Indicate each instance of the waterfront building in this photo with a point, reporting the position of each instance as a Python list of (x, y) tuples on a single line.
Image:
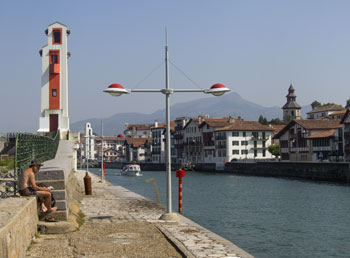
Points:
[(291, 110), (180, 123), (158, 132), (207, 128), (193, 145), (242, 141), (89, 141), (311, 140), (327, 111), (138, 130), (113, 147), (338, 114), (54, 81), (346, 135), (111, 155), (138, 149)]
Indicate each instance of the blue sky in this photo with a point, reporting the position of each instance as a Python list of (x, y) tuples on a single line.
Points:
[(256, 48)]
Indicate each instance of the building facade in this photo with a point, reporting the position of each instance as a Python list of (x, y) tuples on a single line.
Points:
[(243, 141), (311, 140), (346, 135), (326, 111), (138, 130)]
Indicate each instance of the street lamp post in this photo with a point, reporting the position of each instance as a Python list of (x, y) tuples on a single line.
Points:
[(216, 90)]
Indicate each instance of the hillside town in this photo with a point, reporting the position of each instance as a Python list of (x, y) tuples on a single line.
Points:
[(324, 136)]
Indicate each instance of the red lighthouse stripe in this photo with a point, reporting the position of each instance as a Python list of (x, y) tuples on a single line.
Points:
[(54, 81)]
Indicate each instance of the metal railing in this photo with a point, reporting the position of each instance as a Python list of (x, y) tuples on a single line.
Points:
[(33, 147)]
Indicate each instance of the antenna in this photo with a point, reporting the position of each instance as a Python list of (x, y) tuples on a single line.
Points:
[(166, 37)]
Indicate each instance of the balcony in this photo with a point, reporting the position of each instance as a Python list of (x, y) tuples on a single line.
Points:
[(260, 138), (54, 68), (178, 136), (258, 148), (347, 135), (347, 149)]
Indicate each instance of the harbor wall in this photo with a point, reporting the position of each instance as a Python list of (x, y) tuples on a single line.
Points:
[(331, 172), (18, 225), (143, 166)]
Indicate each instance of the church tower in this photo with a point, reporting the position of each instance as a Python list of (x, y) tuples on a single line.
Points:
[(54, 81), (291, 110)]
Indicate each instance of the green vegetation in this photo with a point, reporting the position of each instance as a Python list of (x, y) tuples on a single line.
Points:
[(347, 105), (6, 166), (274, 149), (80, 219), (274, 121), (316, 104)]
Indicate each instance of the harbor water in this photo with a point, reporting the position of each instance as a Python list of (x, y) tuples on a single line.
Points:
[(267, 217)]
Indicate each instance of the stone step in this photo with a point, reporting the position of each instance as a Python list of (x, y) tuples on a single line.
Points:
[(50, 174), (60, 227), (57, 215), (59, 194), (57, 184), (61, 205)]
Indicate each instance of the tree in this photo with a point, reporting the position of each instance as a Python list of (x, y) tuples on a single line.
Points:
[(315, 104), (276, 121), (347, 104), (262, 120), (274, 149)]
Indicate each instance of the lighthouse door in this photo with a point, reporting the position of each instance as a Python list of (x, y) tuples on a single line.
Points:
[(53, 122)]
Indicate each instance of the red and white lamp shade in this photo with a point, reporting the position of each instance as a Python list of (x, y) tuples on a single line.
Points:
[(116, 90), (217, 89)]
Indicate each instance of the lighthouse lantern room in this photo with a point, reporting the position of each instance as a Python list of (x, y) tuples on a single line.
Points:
[(54, 81)]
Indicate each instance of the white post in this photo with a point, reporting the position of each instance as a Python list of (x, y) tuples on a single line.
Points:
[(87, 152), (102, 174), (168, 145)]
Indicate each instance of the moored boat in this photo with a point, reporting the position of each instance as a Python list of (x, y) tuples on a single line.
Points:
[(131, 170)]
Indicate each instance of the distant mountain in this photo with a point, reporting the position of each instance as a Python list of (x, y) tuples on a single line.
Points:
[(228, 105)]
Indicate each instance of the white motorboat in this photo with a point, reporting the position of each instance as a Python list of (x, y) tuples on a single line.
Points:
[(131, 170)]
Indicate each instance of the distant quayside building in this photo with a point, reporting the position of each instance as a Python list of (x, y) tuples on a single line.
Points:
[(54, 81)]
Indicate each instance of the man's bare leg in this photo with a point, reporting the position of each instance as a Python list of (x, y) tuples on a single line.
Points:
[(47, 200), (43, 207)]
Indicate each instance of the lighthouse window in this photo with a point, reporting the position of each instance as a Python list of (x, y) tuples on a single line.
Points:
[(54, 59), (54, 93), (57, 39)]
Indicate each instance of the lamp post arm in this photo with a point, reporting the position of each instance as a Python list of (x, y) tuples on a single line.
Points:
[(145, 90), (164, 91)]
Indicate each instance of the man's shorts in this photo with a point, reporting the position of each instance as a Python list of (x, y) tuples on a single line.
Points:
[(27, 191)]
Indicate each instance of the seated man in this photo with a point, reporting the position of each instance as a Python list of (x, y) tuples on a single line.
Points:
[(27, 187)]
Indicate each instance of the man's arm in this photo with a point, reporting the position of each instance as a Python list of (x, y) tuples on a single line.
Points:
[(34, 186)]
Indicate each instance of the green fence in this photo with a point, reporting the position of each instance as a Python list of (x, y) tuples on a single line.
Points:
[(34, 147)]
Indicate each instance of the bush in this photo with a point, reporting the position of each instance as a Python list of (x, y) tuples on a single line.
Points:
[(7, 163)]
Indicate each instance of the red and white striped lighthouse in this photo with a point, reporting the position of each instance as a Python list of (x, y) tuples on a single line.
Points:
[(54, 81)]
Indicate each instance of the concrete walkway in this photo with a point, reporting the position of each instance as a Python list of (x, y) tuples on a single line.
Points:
[(121, 223)]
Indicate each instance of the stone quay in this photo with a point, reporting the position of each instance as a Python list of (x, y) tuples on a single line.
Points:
[(112, 222)]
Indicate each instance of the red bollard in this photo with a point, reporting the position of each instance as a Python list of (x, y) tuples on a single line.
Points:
[(180, 173), (104, 170)]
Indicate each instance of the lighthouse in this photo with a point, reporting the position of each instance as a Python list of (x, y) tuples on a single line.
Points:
[(54, 81)]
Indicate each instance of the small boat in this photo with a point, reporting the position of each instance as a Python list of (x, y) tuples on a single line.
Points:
[(131, 170)]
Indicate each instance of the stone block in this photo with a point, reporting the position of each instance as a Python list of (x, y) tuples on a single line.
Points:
[(57, 215), (61, 205), (50, 174), (59, 194), (57, 184)]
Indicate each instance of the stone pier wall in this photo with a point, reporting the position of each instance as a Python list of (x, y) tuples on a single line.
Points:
[(18, 225), (332, 172)]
